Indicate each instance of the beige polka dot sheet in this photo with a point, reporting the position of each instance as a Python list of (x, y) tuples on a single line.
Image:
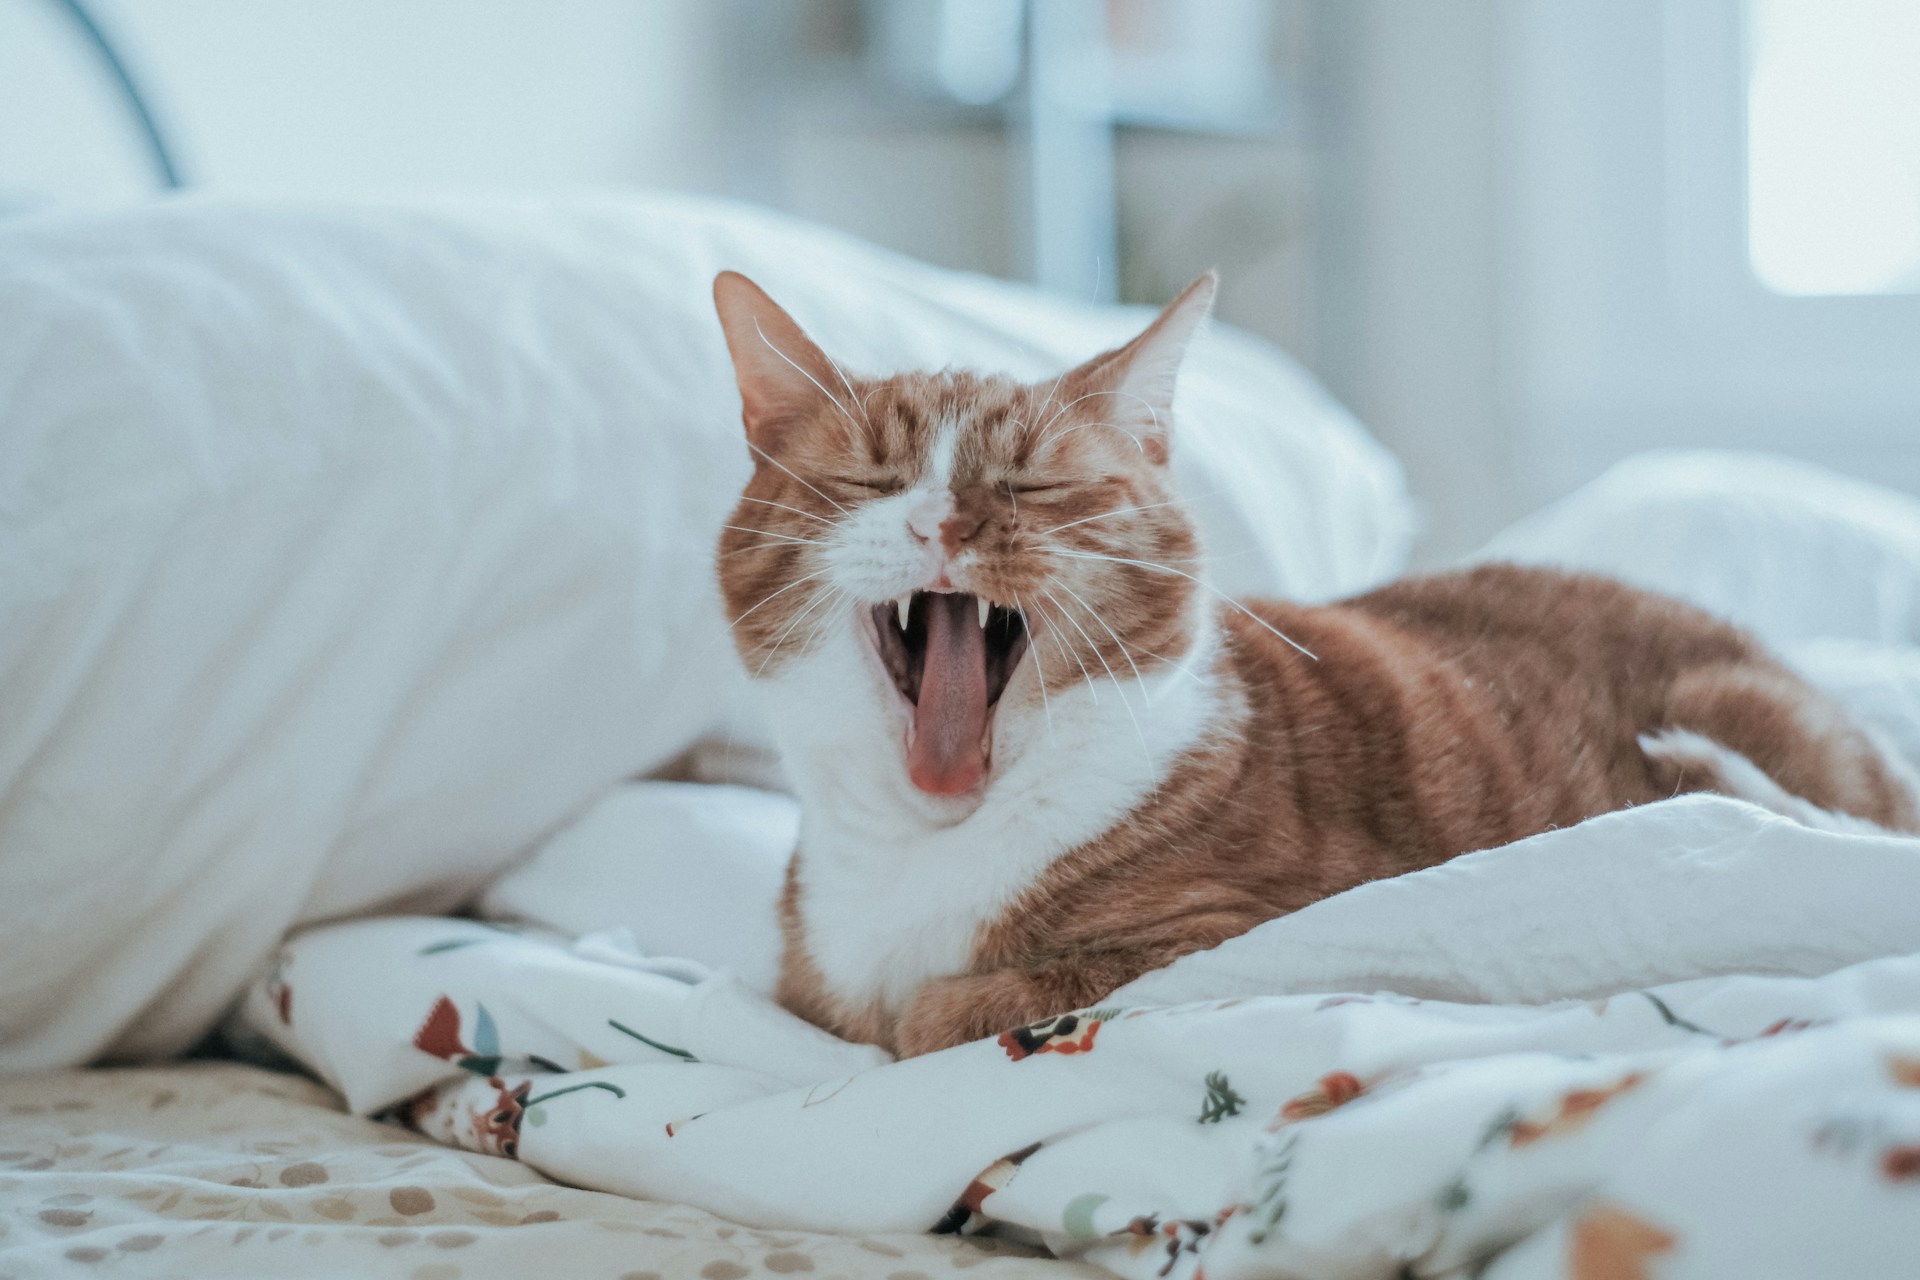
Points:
[(216, 1170)]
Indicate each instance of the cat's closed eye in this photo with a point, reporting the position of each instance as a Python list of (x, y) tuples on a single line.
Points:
[(1026, 487), (872, 484)]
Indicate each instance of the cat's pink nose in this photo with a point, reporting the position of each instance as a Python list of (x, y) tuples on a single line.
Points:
[(929, 514)]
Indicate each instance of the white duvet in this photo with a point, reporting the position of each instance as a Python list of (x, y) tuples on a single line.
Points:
[(1281, 1106)]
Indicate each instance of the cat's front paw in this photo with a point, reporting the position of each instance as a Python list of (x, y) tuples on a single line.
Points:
[(951, 1011)]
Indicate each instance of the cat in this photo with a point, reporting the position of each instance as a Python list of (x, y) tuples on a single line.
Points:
[(1037, 755)]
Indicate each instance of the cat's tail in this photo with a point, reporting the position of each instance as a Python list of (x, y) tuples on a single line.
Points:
[(1705, 765), (1764, 735)]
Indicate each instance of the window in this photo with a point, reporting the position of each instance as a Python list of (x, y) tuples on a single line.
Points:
[(1833, 145)]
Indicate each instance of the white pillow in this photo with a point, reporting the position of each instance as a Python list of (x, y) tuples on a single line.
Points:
[(1790, 550), (347, 549)]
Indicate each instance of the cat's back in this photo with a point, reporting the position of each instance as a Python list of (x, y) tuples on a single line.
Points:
[(1494, 608), (1576, 651), (1477, 705)]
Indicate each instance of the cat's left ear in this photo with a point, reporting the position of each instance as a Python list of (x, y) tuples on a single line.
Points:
[(1137, 380)]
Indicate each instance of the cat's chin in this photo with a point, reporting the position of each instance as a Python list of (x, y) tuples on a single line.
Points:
[(946, 811)]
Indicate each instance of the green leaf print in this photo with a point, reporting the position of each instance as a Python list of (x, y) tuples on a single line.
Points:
[(1673, 1019), (450, 944), (1269, 1205), (625, 1030), (1221, 1100), (613, 1089)]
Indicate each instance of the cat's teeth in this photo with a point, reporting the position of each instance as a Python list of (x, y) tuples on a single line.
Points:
[(985, 609), (905, 605)]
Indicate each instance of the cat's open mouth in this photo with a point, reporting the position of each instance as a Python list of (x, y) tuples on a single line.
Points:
[(950, 654)]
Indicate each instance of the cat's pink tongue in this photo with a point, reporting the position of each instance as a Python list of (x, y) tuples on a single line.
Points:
[(947, 756)]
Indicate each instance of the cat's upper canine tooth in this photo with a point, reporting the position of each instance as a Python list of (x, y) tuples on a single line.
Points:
[(905, 605), (985, 609)]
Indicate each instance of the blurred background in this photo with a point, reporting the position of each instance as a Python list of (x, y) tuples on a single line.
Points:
[(1520, 238)]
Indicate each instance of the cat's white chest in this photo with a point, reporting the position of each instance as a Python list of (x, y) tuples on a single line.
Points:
[(888, 898), (884, 921), (885, 912)]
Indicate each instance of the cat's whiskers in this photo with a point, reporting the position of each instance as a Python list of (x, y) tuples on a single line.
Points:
[(1092, 549), (832, 399), (845, 381), (1122, 644), (1199, 582), (783, 537), (784, 507), (1051, 392), (784, 467), (831, 593), (765, 601), (1064, 432), (1059, 413), (1175, 663), (1145, 751), (1067, 656), (1061, 609), (1066, 653), (866, 414), (1040, 672), (1107, 515), (1151, 410), (754, 546), (708, 647), (732, 728)]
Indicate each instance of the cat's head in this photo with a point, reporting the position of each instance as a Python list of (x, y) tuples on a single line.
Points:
[(950, 562)]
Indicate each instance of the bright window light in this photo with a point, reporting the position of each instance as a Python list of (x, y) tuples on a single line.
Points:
[(1833, 145)]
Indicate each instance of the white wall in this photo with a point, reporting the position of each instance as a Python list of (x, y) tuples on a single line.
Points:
[(347, 95), (1632, 318), (342, 96), (60, 134), (1411, 241), (1535, 262), (1496, 250)]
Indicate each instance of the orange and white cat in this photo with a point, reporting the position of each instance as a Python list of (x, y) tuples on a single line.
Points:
[(1037, 756)]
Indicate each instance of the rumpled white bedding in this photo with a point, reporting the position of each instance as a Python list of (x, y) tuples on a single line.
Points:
[(1172, 1128), (1677, 1041)]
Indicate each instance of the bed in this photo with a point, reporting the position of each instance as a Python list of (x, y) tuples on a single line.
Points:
[(356, 571), (212, 1168)]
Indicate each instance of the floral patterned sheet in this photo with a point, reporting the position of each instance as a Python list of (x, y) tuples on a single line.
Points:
[(216, 1169), (1719, 1126)]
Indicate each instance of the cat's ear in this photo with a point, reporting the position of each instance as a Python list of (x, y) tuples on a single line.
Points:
[(1136, 382), (783, 376)]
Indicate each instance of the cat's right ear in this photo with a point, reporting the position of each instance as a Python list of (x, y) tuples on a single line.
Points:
[(1138, 379), (783, 376)]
